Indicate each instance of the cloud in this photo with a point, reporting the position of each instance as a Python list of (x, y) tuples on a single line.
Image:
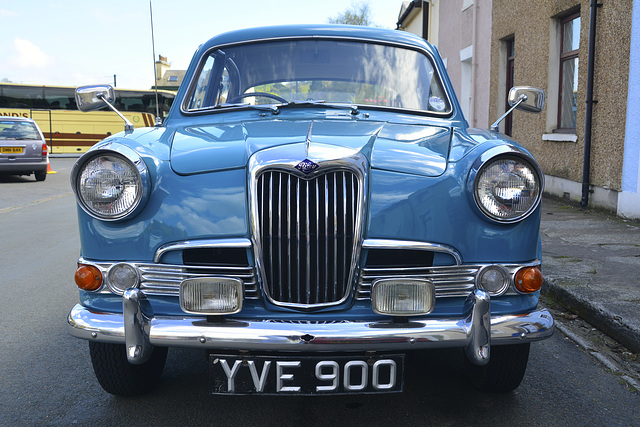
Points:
[(28, 55), (7, 14)]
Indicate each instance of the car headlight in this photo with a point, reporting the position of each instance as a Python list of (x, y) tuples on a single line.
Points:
[(110, 185), (507, 188)]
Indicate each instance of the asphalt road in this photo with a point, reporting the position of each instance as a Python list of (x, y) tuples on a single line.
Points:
[(46, 376)]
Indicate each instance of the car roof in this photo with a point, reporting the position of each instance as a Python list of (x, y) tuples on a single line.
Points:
[(318, 30)]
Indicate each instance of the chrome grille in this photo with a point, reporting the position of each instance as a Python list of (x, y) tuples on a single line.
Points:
[(306, 232), (449, 281), (165, 279)]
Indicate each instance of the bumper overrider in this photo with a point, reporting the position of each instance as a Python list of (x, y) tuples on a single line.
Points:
[(140, 330)]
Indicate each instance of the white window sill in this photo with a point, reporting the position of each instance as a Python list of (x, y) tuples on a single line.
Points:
[(560, 137)]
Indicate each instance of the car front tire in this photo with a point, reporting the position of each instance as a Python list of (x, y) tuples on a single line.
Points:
[(117, 376), (505, 369)]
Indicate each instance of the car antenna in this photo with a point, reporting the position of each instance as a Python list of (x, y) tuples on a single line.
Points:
[(155, 79)]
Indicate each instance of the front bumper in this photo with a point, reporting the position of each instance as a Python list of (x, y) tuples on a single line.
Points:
[(139, 330)]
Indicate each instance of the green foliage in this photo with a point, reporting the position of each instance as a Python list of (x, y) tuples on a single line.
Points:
[(357, 14)]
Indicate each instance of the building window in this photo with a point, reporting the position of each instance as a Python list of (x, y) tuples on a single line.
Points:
[(568, 89), (510, 78)]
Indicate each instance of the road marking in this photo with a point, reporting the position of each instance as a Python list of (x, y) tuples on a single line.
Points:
[(36, 202)]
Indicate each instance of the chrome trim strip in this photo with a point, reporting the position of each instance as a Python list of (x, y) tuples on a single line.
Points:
[(264, 335), (165, 279), (407, 244), (201, 244), (449, 281)]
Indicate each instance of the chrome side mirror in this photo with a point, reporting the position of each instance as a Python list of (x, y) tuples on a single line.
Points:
[(523, 98), (533, 98), (89, 98)]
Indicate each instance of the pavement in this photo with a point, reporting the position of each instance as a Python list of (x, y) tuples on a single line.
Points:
[(591, 266)]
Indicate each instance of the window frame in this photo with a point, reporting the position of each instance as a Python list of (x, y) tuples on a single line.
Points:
[(565, 57), (510, 44)]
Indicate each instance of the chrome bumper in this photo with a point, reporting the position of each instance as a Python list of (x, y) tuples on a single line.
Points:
[(139, 330)]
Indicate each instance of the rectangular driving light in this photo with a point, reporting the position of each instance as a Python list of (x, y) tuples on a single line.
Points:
[(211, 295), (403, 297)]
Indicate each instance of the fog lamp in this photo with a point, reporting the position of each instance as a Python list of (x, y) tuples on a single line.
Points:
[(211, 295), (402, 297), (88, 277), (493, 279), (529, 279), (122, 276)]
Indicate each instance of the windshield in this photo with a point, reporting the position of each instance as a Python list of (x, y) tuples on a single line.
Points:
[(331, 71), (13, 129)]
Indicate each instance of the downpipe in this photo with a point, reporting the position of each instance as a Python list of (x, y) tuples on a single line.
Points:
[(584, 202)]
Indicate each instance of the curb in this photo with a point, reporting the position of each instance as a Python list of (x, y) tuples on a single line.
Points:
[(596, 315)]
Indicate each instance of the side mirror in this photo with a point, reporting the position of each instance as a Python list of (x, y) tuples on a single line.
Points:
[(523, 98), (533, 101), (93, 97), (88, 100)]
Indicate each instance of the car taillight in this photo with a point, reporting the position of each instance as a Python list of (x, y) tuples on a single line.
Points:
[(45, 150)]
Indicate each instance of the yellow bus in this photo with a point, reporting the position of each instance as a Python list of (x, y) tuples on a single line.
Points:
[(66, 129)]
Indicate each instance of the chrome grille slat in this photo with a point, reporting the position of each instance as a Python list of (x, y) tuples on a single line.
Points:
[(165, 279), (320, 229), (449, 281)]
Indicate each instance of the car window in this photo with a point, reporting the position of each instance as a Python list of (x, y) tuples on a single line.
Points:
[(319, 70), (11, 129)]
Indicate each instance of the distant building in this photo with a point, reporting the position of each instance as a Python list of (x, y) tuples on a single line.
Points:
[(546, 44), (458, 28), (490, 46), (166, 78)]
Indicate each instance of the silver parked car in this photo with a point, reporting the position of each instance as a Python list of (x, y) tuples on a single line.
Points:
[(23, 150)]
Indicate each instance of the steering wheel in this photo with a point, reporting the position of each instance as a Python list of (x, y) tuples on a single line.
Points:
[(258, 94)]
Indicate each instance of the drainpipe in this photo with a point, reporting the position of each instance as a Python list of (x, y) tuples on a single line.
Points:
[(588, 113), (474, 66)]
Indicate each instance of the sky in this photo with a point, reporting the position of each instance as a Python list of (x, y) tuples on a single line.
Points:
[(78, 42)]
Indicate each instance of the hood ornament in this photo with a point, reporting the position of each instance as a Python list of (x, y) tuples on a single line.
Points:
[(307, 166)]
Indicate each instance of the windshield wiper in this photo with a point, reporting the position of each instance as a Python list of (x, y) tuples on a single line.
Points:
[(275, 108), (263, 107), (353, 109)]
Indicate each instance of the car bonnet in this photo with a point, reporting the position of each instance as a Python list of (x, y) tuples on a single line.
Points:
[(415, 149)]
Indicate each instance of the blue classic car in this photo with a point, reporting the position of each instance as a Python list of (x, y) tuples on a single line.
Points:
[(314, 207)]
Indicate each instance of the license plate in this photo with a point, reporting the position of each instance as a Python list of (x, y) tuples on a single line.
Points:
[(11, 150), (306, 375)]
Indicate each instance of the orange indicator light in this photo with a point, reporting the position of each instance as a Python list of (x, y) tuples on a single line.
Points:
[(88, 277), (529, 279)]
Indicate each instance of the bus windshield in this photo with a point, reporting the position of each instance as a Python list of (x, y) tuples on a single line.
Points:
[(332, 71)]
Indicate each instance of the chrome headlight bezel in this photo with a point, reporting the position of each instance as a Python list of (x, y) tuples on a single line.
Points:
[(517, 160), (129, 160)]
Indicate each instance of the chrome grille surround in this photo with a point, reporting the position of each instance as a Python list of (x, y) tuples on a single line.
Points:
[(310, 289)]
